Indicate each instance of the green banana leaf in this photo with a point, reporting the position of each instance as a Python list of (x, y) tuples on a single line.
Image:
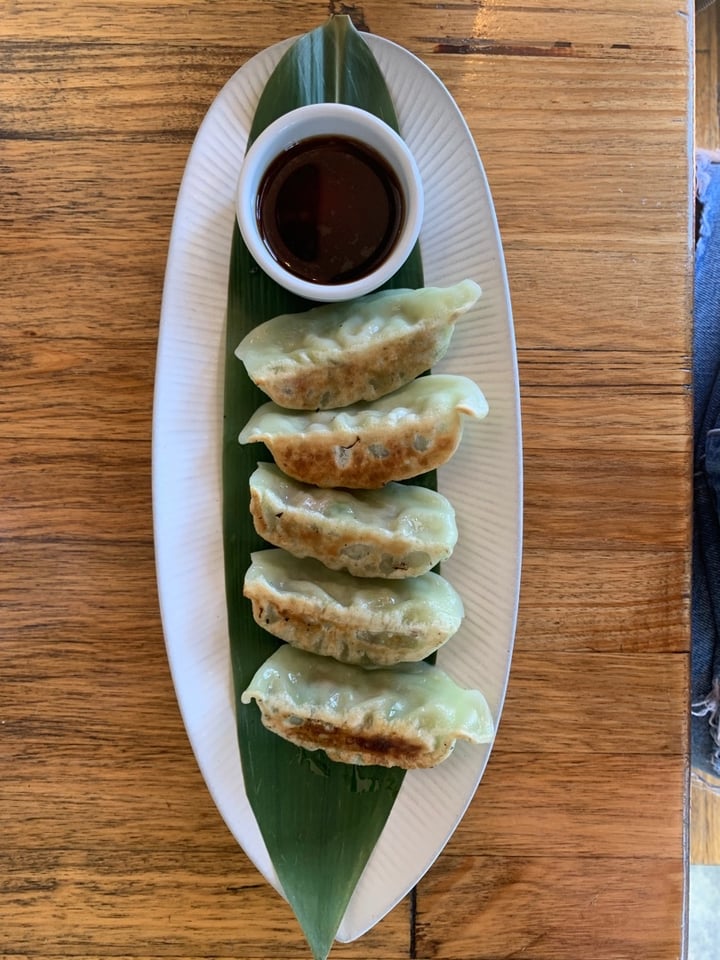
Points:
[(320, 820)]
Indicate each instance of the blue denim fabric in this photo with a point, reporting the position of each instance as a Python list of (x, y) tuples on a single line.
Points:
[(706, 519)]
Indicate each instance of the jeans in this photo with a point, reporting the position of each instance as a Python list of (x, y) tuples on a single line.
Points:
[(705, 619)]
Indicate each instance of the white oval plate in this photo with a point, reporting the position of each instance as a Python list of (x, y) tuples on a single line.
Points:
[(459, 239)]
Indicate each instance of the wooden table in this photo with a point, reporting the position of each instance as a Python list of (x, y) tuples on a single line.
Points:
[(574, 846)]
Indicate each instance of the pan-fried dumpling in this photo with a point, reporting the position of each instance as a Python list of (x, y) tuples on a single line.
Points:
[(407, 716), (338, 354), (367, 621), (396, 532), (366, 445)]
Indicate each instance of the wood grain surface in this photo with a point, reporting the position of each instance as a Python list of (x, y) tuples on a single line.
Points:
[(705, 819), (574, 846), (707, 118)]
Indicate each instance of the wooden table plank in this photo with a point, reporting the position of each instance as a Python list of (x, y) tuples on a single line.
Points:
[(705, 820), (608, 25), (578, 804), (707, 121), (541, 907), (607, 499), (137, 898), (619, 601), (592, 699)]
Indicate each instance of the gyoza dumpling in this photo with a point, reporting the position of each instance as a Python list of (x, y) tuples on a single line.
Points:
[(396, 532), (338, 354), (365, 446), (405, 716), (368, 621)]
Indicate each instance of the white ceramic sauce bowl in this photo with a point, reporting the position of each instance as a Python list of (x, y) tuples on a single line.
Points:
[(318, 120)]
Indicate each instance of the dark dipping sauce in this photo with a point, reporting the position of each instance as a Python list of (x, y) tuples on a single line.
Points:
[(330, 209)]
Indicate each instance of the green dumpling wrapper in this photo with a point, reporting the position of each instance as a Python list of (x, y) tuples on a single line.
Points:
[(354, 619), (338, 354), (396, 532), (410, 715), (413, 430)]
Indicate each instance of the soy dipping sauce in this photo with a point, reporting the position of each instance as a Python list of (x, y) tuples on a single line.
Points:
[(330, 209)]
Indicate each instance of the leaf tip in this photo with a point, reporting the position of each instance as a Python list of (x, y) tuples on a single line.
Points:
[(352, 17)]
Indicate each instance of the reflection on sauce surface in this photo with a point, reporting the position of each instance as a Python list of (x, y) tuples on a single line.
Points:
[(330, 209)]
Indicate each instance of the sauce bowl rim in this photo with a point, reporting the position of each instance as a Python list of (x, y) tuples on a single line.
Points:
[(329, 119)]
